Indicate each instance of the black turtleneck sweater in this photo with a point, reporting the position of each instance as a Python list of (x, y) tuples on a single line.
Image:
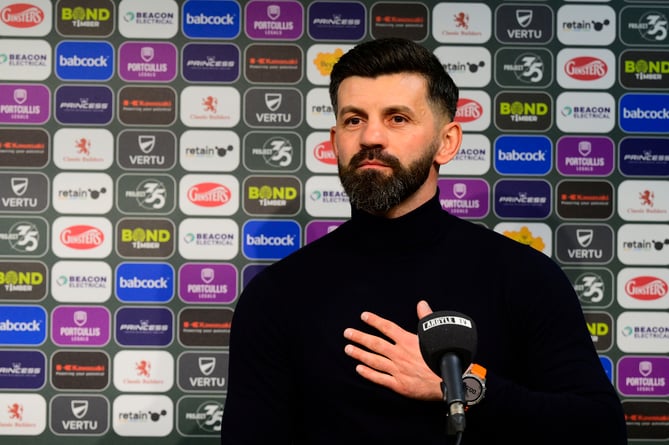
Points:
[(290, 381)]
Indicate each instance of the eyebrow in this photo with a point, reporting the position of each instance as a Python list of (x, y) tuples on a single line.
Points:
[(388, 110)]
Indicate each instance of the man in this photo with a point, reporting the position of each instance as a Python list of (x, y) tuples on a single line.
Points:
[(323, 347)]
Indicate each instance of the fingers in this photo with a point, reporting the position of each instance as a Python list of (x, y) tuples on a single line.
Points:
[(423, 309)]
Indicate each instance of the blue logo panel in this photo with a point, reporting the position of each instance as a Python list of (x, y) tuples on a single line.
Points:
[(22, 325), (523, 155), (270, 239), (20, 369), (522, 198), (644, 113), (145, 282), (144, 326), (82, 60), (217, 19)]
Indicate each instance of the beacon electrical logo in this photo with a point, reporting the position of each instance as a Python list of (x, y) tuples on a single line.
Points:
[(208, 239), (81, 281), (24, 59), (152, 19), (473, 157), (324, 196), (585, 112), (643, 332)]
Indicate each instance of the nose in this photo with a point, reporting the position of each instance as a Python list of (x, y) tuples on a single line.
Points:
[(374, 133)]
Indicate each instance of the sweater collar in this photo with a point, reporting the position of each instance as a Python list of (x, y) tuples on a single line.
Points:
[(416, 228)]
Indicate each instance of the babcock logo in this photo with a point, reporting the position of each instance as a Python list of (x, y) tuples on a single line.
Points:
[(145, 282), (523, 155), (22, 325), (81, 60), (211, 20), (270, 240), (644, 113)]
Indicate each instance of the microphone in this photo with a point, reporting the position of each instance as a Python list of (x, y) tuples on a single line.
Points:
[(447, 342)]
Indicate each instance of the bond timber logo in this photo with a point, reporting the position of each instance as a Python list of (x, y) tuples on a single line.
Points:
[(207, 283), (22, 369), (209, 62), (524, 67), (81, 237), (84, 104), (21, 18), (83, 148), (272, 195), (199, 416), (91, 18), (593, 286), (146, 149), (644, 287), (23, 147), (23, 236), (584, 199), (466, 198), (273, 108), (273, 63), (143, 371), (205, 371), (524, 24), (142, 415), (584, 244), (267, 20), (144, 326), (137, 193), (205, 327), (27, 192), (600, 325), (331, 21), (22, 280), (523, 111), (408, 20), (79, 415), (145, 238), (272, 151), (147, 105), (644, 25), (24, 104), (646, 69), (147, 61), (22, 415), (79, 370)]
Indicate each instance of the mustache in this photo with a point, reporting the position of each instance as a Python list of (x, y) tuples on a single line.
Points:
[(374, 154)]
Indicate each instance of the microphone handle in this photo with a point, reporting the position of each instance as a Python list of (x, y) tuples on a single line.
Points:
[(454, 390)]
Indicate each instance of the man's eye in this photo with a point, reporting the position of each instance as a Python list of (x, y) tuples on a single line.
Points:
[(353, 121), (398, 119)]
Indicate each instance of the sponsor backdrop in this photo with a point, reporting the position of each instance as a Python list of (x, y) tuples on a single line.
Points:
[(156, 154)]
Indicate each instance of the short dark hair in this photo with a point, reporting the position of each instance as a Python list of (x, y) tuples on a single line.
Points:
[(392, 56)]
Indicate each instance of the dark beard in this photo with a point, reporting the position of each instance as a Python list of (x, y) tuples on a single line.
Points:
[(375, 192)]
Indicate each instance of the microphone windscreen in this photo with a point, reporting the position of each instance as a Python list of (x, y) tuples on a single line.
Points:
[(446, 331)]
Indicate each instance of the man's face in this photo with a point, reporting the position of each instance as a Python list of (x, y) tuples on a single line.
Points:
[(386, 137)]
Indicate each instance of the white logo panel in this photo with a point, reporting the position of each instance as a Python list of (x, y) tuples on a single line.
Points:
[(643, 331), (473, 157), (143, 371), (325, 197), (81, 281), (143, 415), (83, 193), (208, 239), (209, 150)]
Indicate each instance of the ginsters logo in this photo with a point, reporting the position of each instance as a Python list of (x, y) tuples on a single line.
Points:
[(643, 287), (523, 111), (79, 370), (81, 237), (22, 280), (145, 238), (205, 327), (272, 195), (147, 105), (24, 147), (26, 18)]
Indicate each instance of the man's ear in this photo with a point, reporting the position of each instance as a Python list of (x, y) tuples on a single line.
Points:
[(332, 141), (450, 139)]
